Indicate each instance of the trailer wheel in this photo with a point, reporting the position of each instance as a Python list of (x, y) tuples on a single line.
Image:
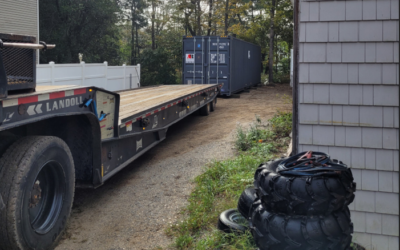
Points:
[(213, 104), (205, 110), (37, 188)]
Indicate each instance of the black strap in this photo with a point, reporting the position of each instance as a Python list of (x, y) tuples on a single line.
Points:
[(44, 45)]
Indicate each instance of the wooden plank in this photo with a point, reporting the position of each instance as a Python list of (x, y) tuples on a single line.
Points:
[(145, 99)]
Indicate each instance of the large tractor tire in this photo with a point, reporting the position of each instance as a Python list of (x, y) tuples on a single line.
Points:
[(37, 181)]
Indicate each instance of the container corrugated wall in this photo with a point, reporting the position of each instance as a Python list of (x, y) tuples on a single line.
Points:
[(227, 60)]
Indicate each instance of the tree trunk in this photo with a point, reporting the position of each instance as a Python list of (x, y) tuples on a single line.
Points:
[(137, 41), (133, 50), (271, 44), (153, 17), (209, 18), (198, 18), (226, 17)]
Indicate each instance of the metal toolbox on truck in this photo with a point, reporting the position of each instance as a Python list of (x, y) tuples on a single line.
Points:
[(17, 65), (215, 60)]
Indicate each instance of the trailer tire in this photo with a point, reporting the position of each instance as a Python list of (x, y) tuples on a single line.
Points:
[(231, 221), (276, 231), (205, 110), (248, 196), (269, 166), (213, 104), (37, 188)]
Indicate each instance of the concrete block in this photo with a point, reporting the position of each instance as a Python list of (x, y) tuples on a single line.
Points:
[(341, 153), (386, 95), (352, 73), (320, 73), (368, 95), (303, 73), (388, 117), (337, 115), (390, 225), (396, 117), (304, 11), (370, 158), (356, 97), (369, 10), (353, 52), (365, 201), (358, 219), (314, 52), (357, 158), (384, 52), (385, 181), (333, 31), (373, 222), (351, 116), (339, 73), (308, 93), (317, 32), (372, 137), (389, 73), (371, 116), (332, 11), (370, 73), (390, 31), (302, 31), (389, 138), (370, 52), (396, 160), (363, 239), (383, 10), (353, 10), (333, 52), (387, 203), (348, 31), (380, 242), (340, 136), (395, 176), (314, 11), (384, 159), (325, 114), (370, 31), (353, 137), (396, 53), (357, 174), (339, 94), (323, 135), (305, 134), (394, 9), (321, 93), (394, 243), (308, 114), (370, 180)]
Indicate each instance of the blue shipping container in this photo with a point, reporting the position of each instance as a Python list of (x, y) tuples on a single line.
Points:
[(227, 60)]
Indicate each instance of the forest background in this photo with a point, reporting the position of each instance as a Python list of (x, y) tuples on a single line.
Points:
[(150, 32)]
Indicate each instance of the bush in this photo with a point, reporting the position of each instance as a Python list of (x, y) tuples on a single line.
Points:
[(156, 68)]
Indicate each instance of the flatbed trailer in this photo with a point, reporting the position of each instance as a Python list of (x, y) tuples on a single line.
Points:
[(61, 137)]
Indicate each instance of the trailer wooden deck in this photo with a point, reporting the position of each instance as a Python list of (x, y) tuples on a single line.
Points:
[(138, 100)]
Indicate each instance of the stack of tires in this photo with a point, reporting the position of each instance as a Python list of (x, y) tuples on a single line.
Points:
[(300, 202)]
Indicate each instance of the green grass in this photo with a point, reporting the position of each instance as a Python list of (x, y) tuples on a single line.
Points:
[(220, 186)]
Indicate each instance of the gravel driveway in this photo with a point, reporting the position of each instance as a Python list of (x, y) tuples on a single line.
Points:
[(133, 208)]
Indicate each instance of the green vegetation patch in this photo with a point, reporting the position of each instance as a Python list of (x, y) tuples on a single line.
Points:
[(219, 188)]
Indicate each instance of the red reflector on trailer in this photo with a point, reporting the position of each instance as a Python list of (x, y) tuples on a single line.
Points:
[(28, 99)]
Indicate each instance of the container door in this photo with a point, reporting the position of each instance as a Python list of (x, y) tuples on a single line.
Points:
[(218, 61), (193, 62)]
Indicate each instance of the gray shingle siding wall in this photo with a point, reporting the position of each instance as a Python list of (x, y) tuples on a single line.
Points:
[(19, 17), (349, 104)]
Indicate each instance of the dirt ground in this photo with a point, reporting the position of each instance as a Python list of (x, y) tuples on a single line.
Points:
[(133, 208)]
